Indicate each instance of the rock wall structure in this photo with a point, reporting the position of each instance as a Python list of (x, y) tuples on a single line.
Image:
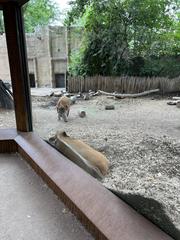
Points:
[(47, 51)]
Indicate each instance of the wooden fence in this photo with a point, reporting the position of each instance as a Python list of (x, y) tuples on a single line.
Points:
[(123, 84)]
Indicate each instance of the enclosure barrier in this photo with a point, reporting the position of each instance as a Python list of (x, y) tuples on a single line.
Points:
[(106, 216), (123, 84)]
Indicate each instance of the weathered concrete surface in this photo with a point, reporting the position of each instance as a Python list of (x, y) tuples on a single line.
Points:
[(29, 210), (47, 51)]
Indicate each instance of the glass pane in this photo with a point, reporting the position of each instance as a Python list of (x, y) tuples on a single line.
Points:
[(47, 62), (116, 47), (7, 114)]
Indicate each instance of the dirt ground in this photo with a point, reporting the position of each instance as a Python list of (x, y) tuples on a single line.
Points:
[(141, 138)]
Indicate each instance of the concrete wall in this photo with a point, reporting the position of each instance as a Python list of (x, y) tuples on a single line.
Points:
[(58, 51), (39, 57), (47, 52)]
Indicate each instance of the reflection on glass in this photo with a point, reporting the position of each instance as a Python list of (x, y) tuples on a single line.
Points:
[(7, 115)]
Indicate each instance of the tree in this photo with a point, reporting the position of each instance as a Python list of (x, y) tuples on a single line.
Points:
[(36, 13), (39, 13), (121, 34)]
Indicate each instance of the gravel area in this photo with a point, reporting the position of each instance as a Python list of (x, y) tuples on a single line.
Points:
[(141, 138)]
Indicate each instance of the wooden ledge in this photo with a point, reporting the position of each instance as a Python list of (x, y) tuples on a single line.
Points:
[(7, 140), (8, 134), (104, 215)]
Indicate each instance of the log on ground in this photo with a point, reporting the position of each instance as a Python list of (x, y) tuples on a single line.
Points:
[(134, 95)]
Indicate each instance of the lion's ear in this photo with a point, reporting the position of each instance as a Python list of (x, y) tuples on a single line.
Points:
[(63, 134), (52, 139)]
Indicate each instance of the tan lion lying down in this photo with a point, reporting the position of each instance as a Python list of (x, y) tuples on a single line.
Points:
[(92, 161)]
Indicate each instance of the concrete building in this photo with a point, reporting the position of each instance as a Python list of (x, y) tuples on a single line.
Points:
[(47, 51)]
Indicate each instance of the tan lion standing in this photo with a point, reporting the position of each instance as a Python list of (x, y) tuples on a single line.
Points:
[(63, 108)]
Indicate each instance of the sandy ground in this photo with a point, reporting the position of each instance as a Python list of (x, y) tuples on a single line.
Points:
[(141, 138), (29, 210)]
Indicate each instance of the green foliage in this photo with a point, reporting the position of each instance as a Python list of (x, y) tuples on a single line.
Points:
[(121, 36), (77, 10), (164, 66), (39, 13), (76, 67), (1, 23), (36, 13)]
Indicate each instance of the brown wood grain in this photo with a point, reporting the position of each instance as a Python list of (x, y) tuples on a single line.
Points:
[(18, 65), (19, 2)]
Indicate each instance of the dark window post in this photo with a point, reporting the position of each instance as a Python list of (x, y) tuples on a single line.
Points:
[(15, 38)]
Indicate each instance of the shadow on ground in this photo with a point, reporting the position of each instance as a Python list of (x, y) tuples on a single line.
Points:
[(152, 210)]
